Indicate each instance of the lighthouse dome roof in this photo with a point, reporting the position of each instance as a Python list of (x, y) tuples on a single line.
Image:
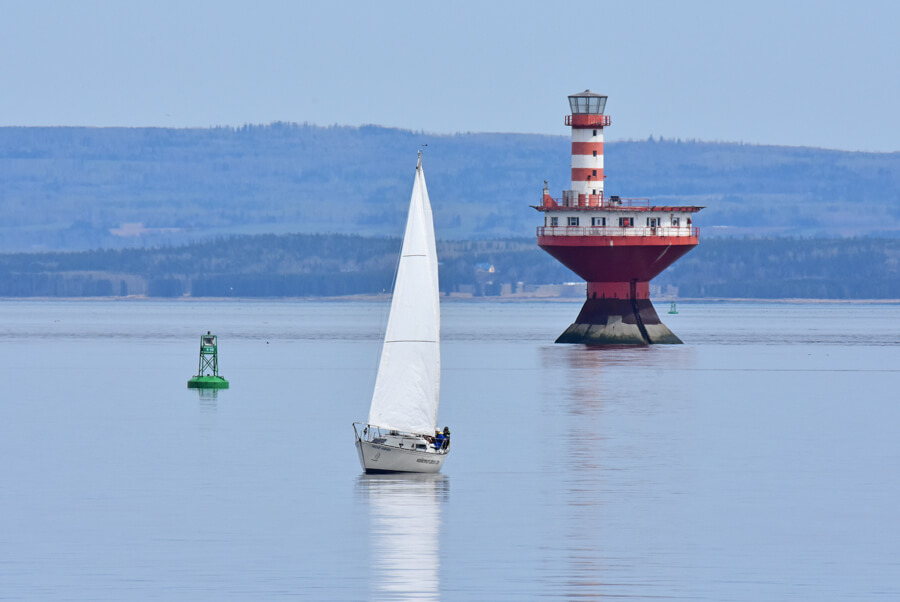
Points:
[(587, 93)]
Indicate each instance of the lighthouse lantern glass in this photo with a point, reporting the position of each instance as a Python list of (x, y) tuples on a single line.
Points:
[(587, 105)]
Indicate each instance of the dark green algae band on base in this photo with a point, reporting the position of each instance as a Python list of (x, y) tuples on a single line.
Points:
[(618, 322), (207, 382)]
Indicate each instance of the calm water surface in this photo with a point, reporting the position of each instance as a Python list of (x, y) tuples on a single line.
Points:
[(759, 461)]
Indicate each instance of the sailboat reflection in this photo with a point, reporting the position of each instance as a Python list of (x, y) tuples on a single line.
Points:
[(405, 512)]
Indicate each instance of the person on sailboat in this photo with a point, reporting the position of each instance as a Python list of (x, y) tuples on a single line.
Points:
[(446, 437), (438, 439)]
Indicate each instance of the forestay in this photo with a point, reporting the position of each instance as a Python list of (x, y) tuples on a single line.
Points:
[(407, 388)]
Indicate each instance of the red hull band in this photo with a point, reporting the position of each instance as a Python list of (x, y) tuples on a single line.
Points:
[(618, 290), (617, 259), (609, 207)]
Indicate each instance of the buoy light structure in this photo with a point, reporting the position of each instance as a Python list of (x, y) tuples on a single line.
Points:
[(617, 245), (208, 373)]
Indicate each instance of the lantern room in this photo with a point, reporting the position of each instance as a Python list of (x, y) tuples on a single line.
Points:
[(587, 103)]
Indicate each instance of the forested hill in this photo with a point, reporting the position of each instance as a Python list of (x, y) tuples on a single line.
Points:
[(83, 188)]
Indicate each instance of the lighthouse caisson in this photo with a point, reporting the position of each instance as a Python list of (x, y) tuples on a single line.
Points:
[(617, 245)]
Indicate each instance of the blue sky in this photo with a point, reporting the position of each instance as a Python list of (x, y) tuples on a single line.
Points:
[(800, 73)]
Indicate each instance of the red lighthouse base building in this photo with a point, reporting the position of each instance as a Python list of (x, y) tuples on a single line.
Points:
[(618, 270), (616, 245)]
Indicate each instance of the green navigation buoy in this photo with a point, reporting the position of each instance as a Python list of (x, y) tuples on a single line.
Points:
[(672, 309), (208, 374)]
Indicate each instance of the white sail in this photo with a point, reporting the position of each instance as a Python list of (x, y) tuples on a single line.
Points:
[(407, 388)]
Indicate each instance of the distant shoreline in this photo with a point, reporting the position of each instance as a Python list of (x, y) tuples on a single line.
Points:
[(455, 298)]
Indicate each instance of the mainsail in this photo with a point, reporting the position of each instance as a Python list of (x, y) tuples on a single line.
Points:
[(407, 388)]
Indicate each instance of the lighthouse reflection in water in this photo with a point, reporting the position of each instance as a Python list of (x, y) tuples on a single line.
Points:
[(404, 532)]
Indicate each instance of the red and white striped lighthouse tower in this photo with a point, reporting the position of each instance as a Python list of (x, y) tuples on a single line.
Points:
[(616, 244), (587, 121)]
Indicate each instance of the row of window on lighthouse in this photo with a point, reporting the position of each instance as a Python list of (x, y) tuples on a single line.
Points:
[(624, 222)]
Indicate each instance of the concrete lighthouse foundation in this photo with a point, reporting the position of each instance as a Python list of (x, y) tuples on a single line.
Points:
[(618, 322)]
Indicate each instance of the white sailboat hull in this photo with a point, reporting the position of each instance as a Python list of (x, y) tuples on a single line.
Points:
[(379, 457)]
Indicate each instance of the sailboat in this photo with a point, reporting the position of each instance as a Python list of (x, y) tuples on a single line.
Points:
[(401, 433)]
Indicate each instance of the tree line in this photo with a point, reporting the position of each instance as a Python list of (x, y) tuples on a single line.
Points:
[(301, 265)]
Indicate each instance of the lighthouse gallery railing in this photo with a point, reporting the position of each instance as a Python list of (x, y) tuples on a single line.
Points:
[(680, 231)]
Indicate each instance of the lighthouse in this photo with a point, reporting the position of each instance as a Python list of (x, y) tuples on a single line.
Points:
[(616, 244)]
